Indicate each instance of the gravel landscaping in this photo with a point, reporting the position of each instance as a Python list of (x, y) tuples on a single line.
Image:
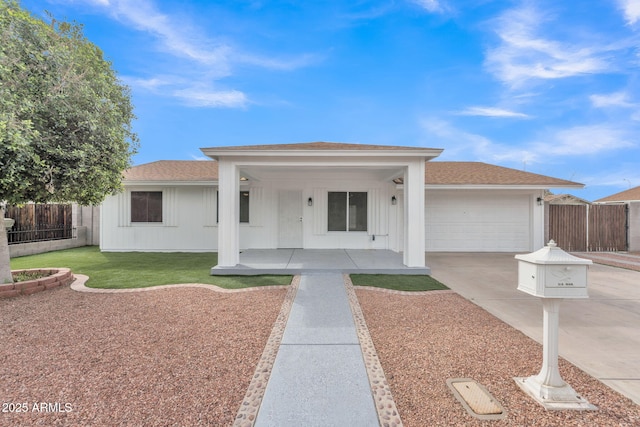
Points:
[(167, 357), (423, 340), (186, 357)]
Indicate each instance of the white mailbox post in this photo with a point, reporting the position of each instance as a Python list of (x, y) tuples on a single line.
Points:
[(552, 274)]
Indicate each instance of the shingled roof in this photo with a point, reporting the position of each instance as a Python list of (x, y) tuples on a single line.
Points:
[(632, 194), (477, 173), (174, 170), (436, 173)]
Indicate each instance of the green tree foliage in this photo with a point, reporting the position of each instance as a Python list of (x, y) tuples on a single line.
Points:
[(65, 118)]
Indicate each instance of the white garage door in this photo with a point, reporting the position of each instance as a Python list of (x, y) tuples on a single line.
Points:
[(477, 222)]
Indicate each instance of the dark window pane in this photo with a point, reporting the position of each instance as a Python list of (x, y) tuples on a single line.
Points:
[(146, 206), (337, 202), (244, 206), (138, 207), (155, 207), (358, 211)]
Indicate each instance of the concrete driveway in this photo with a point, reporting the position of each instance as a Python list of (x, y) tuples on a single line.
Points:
[(600, 335)]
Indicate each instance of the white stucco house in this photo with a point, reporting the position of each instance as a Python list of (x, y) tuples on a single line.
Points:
[(325, 195)]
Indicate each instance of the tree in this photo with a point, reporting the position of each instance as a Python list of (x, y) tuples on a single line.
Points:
[(65, 118)]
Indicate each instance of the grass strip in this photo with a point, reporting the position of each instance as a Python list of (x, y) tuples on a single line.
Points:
[(124, 270), (398, 282)]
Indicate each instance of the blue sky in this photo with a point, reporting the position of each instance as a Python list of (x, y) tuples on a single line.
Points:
[(545, 86)]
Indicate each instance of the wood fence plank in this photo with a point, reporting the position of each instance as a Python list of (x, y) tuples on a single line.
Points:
[(594, 228)]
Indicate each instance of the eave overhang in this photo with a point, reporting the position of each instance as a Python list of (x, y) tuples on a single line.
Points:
[(426, 153), (168, 183)]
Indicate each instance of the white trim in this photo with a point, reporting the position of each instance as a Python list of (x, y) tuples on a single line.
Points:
[(414, 225), (168, 182), (229, 215), (409, 152)]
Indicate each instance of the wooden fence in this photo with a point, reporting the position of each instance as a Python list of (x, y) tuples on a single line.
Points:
[(589, 227), (36, 223)]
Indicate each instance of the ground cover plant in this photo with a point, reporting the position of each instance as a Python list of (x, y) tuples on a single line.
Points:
[(121, 270), (23, 276), (398, 282)]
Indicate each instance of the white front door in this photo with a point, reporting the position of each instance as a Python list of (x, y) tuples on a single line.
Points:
[(290, 219)]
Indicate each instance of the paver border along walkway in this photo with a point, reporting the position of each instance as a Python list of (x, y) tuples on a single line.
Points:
[(319, 377), (381, 397), (80, 279), (380, 393)]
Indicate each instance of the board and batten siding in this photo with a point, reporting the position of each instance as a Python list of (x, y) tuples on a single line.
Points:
[(456, 220), (188, 223)]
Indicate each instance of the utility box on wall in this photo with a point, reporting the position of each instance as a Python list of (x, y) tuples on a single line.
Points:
[(552, 273)]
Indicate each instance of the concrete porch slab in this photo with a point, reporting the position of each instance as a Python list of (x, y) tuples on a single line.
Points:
[(298, 261)]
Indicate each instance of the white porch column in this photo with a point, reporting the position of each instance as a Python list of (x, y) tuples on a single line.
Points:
[(228, 214), (414, 245)]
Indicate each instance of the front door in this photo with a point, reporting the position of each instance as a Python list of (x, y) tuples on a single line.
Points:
[(290, 219)]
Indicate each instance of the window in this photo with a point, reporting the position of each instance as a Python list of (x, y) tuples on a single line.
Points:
[(347, 211), (244, 206), (146, 206)]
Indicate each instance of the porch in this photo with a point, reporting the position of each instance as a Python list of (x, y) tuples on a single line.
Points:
[(298, 261)]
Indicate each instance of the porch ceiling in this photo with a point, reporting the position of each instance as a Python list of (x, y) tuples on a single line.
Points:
[(265, 173)]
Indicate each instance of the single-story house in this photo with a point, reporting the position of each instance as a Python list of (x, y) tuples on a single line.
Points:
[(565, 199), (323, 195), (626, 196)]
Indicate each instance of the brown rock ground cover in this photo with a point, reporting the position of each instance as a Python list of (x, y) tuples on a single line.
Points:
[(424, 340), (167, 357)]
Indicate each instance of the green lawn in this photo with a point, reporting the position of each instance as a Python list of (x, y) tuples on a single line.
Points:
[(116, 270), (398, 282), (120, 270)]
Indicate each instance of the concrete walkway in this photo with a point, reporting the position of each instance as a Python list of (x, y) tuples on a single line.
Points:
[(600, 334), (319, 377)]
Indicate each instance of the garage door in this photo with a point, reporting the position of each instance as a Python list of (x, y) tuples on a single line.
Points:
[(477, 222)]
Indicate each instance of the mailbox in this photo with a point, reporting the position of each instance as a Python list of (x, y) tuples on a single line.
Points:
[(552, 273)]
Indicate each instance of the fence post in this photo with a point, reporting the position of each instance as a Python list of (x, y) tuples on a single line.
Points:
[(587, 242)]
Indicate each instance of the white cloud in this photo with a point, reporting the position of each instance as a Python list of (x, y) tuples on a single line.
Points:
[(585, 140), (524, 53), (208, 60), (623, 177), (631, 10), (616, 99), (492, 112), (279, 64), (193, 93), (152, 83), (182, 39), (178, 38), (565, 143), (433, 6), (203, 97), (462, 145)]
